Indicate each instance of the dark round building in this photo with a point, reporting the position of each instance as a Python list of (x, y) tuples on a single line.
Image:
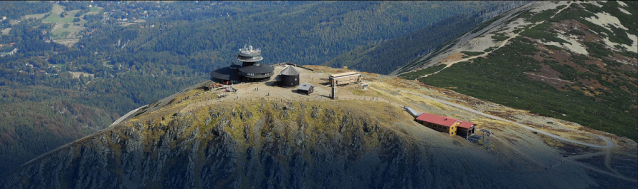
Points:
[(249, 70), (256, 72), (226, 75), (289, 77)]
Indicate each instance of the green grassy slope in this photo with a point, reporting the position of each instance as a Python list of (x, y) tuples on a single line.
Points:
[(501, 76)]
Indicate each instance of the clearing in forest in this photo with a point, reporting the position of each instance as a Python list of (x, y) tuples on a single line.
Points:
[(66, 31)]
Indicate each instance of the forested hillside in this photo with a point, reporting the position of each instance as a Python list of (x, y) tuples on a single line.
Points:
[(305, 33), (388, 55), (16, 9), (80, 65)]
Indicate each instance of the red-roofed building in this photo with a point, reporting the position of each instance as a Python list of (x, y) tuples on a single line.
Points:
[(445, 124), (466, 129), (439, 123)]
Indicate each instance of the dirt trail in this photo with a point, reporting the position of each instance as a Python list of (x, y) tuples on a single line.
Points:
[(617, 175), (584, 156), (126, 116), (550, 78), (608, 162)]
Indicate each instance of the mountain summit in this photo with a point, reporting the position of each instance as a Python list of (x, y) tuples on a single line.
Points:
[(271, 137)]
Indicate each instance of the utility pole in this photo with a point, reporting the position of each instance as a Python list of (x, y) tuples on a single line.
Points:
[(489, 137), (334, 89)]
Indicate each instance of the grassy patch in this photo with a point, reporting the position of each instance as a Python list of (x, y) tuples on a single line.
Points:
[(597, 50), (553, 47), (629, 54), (568, 72), (64, 34), (499, 37), (576, 32), (544, 15), (540, 16), (541, 32), (52, 18), (65, 27), (55, 18), (94, 9)]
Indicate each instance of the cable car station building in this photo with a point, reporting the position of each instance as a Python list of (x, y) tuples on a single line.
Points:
[(448, 125)]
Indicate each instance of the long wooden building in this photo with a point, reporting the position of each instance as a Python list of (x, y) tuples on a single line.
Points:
[(345, 78), (439, 123), (448, 125)]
